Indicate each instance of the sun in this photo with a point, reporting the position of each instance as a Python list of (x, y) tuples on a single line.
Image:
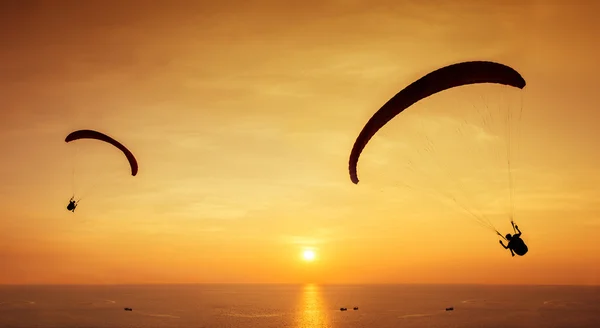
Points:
[(308, 255)]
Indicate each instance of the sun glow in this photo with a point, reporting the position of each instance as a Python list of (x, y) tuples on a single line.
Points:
[(308, 255)]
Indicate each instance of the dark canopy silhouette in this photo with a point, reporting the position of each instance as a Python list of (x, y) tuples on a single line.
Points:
[(90, 134), (442, 79)]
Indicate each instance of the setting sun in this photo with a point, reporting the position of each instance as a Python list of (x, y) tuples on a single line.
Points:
[(308, 255)]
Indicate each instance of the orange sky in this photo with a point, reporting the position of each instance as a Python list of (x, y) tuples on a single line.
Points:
[(242, 117)]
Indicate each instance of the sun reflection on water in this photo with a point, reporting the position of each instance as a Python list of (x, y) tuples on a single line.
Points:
[(312, 313)]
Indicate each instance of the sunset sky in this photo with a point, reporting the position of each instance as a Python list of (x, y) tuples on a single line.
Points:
[(242, 115)]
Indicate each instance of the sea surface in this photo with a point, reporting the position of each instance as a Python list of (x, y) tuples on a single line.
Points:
[(300, 306)]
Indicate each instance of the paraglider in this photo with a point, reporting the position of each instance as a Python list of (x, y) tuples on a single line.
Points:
[(95, 135), (452, 76), (516, 245), (72, 205)]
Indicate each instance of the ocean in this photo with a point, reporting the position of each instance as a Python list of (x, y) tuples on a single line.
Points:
[(300, 306)]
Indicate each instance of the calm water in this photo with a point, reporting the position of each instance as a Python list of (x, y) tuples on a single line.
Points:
[(299, 306)]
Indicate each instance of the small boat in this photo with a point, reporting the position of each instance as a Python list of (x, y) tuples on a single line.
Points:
[(343, 309), (356, 308), (128, 309), (450, 309)]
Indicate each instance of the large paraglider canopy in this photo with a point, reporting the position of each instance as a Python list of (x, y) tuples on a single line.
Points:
[(91, 134), (451, 76), (443, 135)]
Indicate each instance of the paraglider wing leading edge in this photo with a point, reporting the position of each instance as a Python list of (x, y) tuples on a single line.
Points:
[(90, 134), (439, 80)]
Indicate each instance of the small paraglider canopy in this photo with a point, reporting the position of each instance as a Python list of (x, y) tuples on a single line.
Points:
[(91, 134)]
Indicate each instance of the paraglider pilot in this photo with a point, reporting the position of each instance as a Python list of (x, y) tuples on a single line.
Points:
[(516, 245), (72, 205)]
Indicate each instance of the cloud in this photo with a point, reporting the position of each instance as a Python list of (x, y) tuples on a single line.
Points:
[(318, 237)]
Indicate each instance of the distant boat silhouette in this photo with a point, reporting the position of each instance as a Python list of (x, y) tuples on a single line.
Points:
[(128, 309), (356, 308), (450, 308), (343, 309)]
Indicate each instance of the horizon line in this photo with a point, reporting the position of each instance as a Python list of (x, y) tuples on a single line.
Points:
[(289, 284)]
